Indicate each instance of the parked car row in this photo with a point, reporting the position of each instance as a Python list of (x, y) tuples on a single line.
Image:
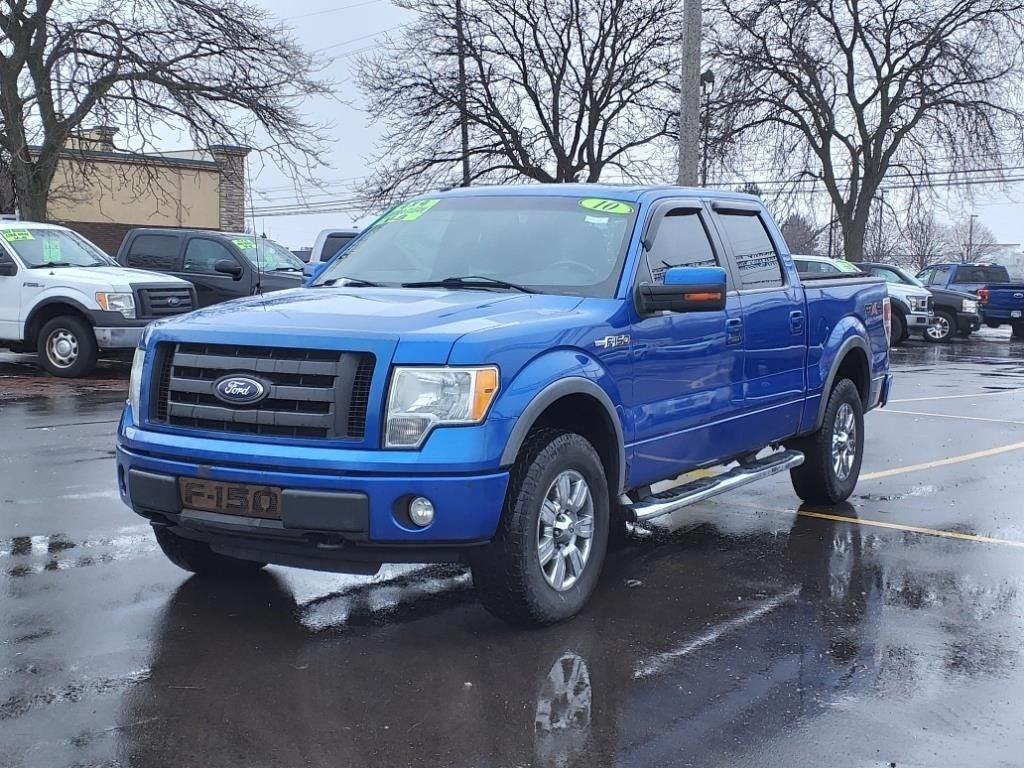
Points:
[(943, 300)]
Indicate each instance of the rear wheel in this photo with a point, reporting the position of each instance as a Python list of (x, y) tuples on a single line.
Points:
[(897, 329), (546, 557), (833, 454), (197, 557), (67, 347), (942, 328)]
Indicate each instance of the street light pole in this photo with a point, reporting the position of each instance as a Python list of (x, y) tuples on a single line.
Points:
[(970, 239), (707, 84), (689, 94)]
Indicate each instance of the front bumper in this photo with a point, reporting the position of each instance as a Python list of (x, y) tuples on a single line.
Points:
[(919, 320), (119, 338), (968, 321), (348, 511)]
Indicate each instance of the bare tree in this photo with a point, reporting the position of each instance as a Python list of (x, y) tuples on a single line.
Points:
[(848, 92), (801, 234), (972, 241), (555, 91), (216, 69), (923, 240)]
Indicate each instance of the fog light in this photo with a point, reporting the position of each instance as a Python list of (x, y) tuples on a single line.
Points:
[(421, 511)]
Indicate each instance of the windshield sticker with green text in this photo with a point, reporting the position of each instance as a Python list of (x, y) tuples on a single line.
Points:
[(51, 250), (14, 235), (245, 244), (606, 206), (409, 211)]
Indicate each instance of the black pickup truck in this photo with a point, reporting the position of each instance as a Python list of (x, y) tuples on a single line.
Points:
[(221, 265)]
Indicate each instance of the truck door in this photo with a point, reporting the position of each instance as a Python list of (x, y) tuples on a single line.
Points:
[(213, 287), (10, 297), (687, 366), (774, 324)]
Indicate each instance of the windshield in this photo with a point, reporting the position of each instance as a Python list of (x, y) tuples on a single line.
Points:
[(53, 247), (266, 255), (907, 277), (554, 244)]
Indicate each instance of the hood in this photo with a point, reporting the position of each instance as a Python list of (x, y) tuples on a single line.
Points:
[(382, 313), (100, 278), (903, 290)]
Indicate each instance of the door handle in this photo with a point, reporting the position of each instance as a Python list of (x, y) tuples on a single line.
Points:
[(796, 321), (734, 330)]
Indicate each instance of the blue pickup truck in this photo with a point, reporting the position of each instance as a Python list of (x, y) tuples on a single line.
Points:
[(1000, 301), (498, 376)]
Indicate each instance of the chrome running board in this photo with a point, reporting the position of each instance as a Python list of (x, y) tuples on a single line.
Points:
[(669, 501)]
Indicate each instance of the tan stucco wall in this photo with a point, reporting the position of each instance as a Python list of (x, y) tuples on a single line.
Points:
[(128, 193)]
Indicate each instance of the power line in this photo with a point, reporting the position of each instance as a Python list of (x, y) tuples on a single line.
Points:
[(327, 11)]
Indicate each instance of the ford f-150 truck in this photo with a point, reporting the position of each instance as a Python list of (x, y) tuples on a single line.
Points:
[(498, 376), (1001, 302)]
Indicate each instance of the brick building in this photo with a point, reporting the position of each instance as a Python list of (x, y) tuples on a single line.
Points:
[(102, 192)]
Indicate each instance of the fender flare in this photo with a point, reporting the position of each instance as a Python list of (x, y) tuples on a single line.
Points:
[(73, 303), (854, 342), (573, 385)]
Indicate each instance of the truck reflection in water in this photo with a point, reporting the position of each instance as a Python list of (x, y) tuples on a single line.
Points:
[(727, 644)]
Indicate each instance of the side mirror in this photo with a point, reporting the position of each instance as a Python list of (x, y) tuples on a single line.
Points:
[(228, 267), (686, 289), (8, 268)]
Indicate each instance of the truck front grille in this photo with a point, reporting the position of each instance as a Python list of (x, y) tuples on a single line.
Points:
[(310, 393), (164, 302)]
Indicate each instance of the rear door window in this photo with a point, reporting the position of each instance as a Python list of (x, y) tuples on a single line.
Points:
[(156, 252), (756, 258)]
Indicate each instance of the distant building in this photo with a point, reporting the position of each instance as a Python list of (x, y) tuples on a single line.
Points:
[(102, 192)]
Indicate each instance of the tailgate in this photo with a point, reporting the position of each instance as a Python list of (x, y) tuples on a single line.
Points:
[(1006, 297)]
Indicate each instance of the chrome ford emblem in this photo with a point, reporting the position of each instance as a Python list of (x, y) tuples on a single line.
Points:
[(173, 301), (239, 390)]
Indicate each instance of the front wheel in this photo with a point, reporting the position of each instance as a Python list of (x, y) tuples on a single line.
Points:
[(897, 329), (942, 328), (833, 454), (546, 556), (67, 347)]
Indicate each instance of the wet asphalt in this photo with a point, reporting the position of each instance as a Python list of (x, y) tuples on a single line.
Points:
[(746, 632)]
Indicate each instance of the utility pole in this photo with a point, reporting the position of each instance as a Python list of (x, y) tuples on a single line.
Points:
[(689, 94), (970, 239), (463, 109)]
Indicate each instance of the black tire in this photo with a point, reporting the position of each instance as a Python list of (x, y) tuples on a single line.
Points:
[(991, 325), (897, 329), (197, 557), (66, 346), (508, 574), (816, 480), (1018, 331), (943, 329)]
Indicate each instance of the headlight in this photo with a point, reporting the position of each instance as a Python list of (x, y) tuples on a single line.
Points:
[(970, 306), (117, 302), (423, 398), (919, 303), (135, 384)]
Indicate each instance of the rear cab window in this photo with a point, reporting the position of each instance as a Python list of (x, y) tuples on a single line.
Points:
[(756, 258), (156, 252), (982, 274)]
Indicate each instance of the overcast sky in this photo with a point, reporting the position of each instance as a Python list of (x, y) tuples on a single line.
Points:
[(334, 29)]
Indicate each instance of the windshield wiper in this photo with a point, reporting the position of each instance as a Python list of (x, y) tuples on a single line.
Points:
[(47, 265), (470, 281), (348, 281)]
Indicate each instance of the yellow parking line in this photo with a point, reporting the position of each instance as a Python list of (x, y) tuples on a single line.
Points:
[(957, 397), (951, 416), (912, 529), (942, 462)]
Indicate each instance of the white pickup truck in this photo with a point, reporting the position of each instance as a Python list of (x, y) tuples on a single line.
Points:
[(62, 297)]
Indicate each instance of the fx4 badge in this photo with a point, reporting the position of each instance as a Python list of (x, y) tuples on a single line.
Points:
[(610, 342)]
